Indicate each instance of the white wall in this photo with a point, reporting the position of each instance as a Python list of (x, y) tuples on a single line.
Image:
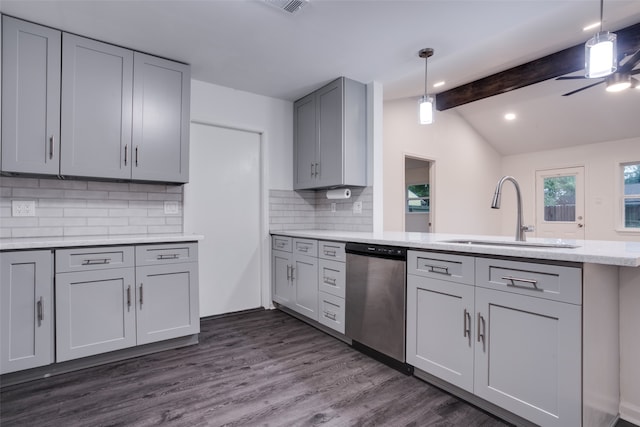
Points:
[(273, 120), (602, 195), (466, 169)]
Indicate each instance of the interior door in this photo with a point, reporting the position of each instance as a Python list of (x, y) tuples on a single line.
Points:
[(222, 202), (560, 203)]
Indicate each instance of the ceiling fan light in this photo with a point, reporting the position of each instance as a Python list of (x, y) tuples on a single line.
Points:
[(601, 57), (426, 107)]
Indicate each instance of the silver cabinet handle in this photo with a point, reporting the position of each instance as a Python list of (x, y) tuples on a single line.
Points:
[(466, 324), (330, 315), (128, 297), (438, 269), (141, 295), (293, 269), (136, 156), (288, 272), (280, 245), (329, 253), (317, 169), (512, 282), (481, 330), (126, 150), (96, 261), (312, 173), (40, 309), (330, 280), (52, 143), (303, 248), (168, 256)]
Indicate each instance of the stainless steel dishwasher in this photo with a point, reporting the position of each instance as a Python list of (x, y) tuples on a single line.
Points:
[(375, 303)]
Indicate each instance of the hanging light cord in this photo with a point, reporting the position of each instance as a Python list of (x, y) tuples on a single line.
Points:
[(426, 68), (601, 13)]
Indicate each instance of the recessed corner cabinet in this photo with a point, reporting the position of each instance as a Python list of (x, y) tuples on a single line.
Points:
[(330, 132), (110, 113)]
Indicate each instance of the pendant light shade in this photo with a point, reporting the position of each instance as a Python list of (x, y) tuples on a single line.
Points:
[(600, 52), (427, 102)]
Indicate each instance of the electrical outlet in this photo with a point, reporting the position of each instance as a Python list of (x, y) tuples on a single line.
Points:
[(171, 207), (23, 208), (333, 207), (357, 207)]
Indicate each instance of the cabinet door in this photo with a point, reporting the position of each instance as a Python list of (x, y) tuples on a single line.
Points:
[(95, 312), (330, 156), (305, 279), (30, 97), (96, 109), (26, 304), (528, 356), (283, 291), (167, 301), (161, 93), (439, 329), (305, 140)]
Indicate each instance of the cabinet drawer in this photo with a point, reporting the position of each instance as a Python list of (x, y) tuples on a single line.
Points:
[(552, 282), (305, 247), (454, 268), (85, 259), (332, 250), (281, 243), (332, 277), (166, 254), (331, 311)]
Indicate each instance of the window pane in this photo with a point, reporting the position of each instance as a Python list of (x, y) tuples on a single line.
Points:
[(418, 205), (632, 213), (418, 190), (560, 198), (632, 179)]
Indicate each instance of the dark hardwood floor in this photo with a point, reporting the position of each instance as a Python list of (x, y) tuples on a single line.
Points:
[(259, 368)]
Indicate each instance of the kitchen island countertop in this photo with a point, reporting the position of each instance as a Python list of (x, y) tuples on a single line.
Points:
[(618, 253)]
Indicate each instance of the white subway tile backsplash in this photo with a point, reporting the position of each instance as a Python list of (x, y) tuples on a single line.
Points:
[(77, 207)]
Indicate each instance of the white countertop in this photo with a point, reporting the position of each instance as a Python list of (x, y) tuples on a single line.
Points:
[(62, 242), (589, 251)]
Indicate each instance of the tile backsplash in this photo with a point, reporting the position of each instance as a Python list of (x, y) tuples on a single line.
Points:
[(308, 209), (77, 208)]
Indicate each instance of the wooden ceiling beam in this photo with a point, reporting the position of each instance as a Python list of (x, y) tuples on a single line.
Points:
[(551, 66)]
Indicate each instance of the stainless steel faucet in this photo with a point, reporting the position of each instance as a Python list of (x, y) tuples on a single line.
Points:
[(495, 204)]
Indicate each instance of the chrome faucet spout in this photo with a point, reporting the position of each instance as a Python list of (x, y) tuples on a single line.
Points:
[(495, 204)]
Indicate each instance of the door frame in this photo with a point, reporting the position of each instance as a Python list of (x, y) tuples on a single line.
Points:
[(537, 208), (432, 187), (265, 238)]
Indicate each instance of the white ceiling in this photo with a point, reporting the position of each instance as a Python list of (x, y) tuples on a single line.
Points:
[(250, 46)]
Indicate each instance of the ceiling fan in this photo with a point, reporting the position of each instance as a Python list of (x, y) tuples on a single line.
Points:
[(619, 80)]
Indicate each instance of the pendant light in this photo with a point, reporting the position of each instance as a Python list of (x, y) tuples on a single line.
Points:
[(427, 102), (600, 54)]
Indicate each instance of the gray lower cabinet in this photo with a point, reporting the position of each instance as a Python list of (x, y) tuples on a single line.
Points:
[(330, 136), (161, 93), (511, 333), (305, 283), (281, 282), (26, 310), (97, 83), (30, 97)]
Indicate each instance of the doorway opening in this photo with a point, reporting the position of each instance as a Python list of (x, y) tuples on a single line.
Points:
[(560, 203), (418, 190)]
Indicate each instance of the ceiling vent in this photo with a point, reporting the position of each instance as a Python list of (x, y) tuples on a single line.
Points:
[(291, 6)]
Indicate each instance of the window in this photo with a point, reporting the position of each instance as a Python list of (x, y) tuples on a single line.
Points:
[(560, 198), (631, 195), (418, 198)]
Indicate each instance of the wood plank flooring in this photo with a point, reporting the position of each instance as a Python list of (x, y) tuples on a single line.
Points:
[(258, 368)]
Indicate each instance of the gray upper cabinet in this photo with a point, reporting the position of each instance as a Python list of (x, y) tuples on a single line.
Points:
[(330, 136), (97, 83), (161, 93), (26, 310), (30, 98)]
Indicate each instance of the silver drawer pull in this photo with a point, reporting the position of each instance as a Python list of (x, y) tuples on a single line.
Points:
[(330, 315), (303, 248), (512, 282), (438, 269), (330, 280), (168, 256), (96, 261), (280, 244), (329, 253)]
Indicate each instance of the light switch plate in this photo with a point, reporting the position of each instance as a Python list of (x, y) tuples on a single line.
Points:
[(23, 208), (357, 207), (171, 207)]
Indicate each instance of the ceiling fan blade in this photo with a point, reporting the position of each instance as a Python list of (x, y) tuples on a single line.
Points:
[(583, 88), (634, 72), (630, 63), (571, 78)]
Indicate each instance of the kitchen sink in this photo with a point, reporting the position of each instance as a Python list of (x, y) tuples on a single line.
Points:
[(511, 243)]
